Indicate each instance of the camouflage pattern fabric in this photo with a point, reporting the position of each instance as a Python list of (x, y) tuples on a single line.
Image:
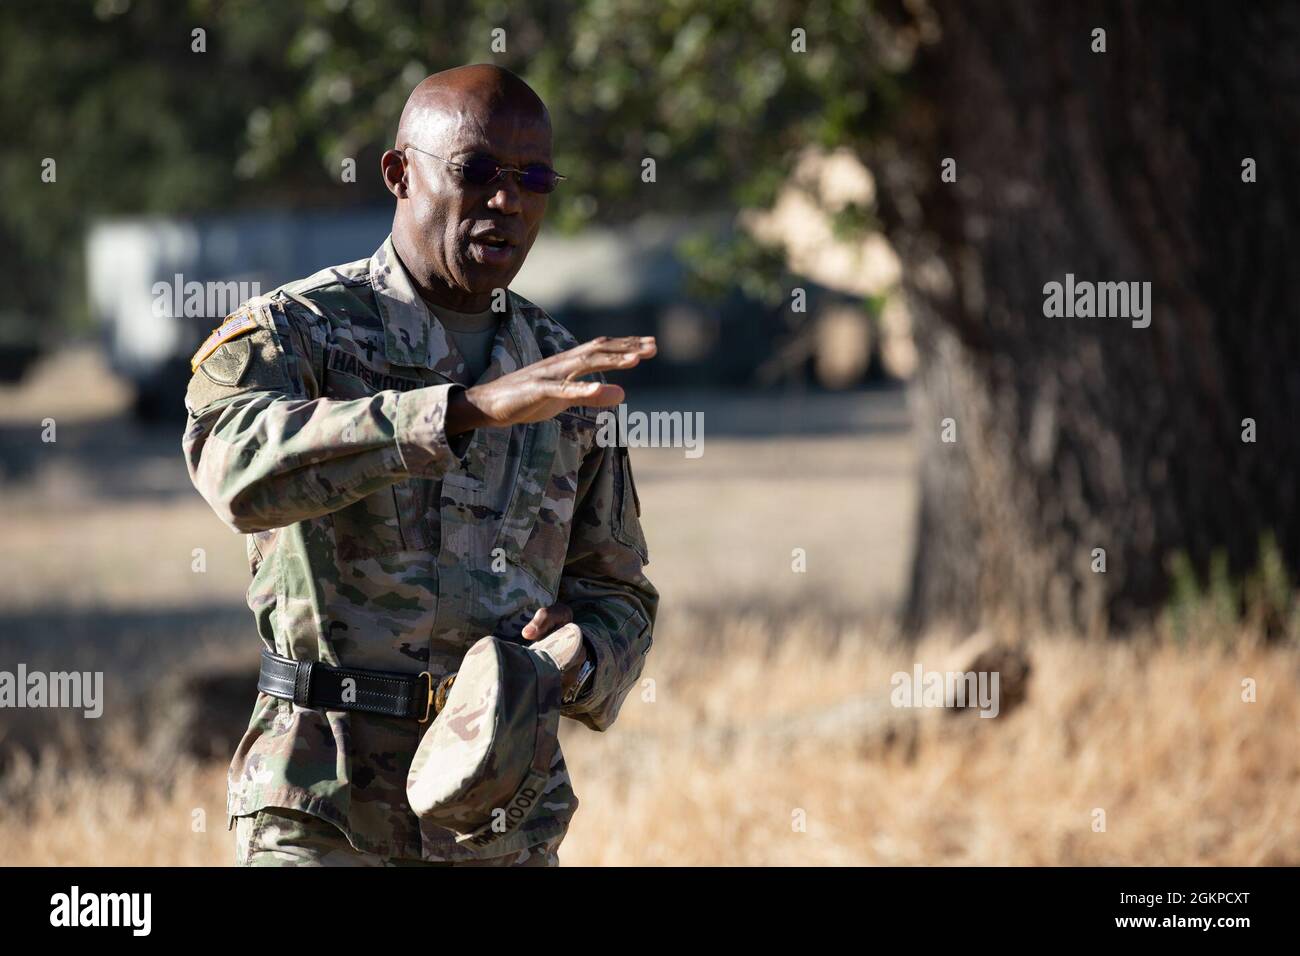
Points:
[(279, 837), (376, 542), (481, 768)]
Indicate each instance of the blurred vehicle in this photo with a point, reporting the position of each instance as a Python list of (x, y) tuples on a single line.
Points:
[(158, 286)]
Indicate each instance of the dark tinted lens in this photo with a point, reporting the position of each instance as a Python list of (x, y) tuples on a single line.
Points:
[(539, 179), (479, 170)]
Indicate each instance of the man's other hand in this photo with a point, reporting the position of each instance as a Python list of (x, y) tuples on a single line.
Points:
[(547, 621), (542, 390)]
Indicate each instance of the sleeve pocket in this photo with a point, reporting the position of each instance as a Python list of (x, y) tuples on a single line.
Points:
[(626, 520)]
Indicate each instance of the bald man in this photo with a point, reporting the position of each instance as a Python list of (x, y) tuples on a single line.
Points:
[(411, 449)]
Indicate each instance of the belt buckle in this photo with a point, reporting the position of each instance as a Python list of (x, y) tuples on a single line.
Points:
[(428, 700)]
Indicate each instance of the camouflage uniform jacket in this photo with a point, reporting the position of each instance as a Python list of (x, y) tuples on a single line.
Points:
[(377, 542)]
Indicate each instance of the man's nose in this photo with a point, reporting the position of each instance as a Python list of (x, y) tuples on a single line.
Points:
[(506, 198)]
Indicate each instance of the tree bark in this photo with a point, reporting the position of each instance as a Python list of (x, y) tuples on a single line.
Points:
[(1074, 434)]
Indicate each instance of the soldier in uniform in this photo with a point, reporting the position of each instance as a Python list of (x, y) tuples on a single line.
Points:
[(416, 469)]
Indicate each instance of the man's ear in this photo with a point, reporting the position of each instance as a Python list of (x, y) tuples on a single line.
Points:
[(392, 166)]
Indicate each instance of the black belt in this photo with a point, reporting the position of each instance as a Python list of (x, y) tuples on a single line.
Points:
[(316, 685)]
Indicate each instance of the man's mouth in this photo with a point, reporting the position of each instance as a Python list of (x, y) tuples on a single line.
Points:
[(491, 248)]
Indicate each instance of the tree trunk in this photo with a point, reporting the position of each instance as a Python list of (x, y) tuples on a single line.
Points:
[(1075, 434)]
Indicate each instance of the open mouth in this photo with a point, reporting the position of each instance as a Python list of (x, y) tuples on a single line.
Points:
[(491, 248), (492, 238)]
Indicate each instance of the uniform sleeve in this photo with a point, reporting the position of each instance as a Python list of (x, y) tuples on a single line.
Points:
[(612, 600), (265, 450)]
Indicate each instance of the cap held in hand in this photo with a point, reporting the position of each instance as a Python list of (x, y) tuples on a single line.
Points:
[(483, 764)]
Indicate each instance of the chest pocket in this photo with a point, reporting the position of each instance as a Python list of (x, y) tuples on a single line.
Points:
[(396, 516), (536, 525), (390, 520)]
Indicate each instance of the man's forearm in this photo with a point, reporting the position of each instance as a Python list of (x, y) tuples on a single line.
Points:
[(267, 461), (618, 631)]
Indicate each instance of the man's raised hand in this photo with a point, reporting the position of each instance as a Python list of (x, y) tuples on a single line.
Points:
[(542, 390)]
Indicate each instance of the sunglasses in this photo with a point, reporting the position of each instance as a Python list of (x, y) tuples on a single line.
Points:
[(481, 170)]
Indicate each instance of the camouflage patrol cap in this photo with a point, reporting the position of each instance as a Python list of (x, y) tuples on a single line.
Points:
[(483, 764)]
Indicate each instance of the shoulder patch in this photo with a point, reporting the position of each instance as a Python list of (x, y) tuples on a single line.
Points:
[(246, 354), (240, 323), (226, 365)]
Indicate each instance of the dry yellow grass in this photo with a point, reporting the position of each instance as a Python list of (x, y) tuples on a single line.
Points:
[(1153, 733), (107, 820)]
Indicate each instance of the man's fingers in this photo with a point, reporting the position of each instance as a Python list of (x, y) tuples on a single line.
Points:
[(558, 615), (602, 362), (533, 629), (621, 343), (546, 620), (595, 394), (606, 355), (595, 362), (626, 343), (530, 393), (607, 395)]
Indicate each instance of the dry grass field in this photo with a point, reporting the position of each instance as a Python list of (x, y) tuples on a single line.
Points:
[(702, 767)]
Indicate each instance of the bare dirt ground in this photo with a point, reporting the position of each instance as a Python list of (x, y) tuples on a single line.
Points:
[(99, 571)]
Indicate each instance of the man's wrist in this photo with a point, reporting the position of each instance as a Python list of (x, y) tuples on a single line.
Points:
[(462, 414), (420, 431), (586, 672)]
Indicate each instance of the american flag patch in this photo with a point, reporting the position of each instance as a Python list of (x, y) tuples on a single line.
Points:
[(232, 328)]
